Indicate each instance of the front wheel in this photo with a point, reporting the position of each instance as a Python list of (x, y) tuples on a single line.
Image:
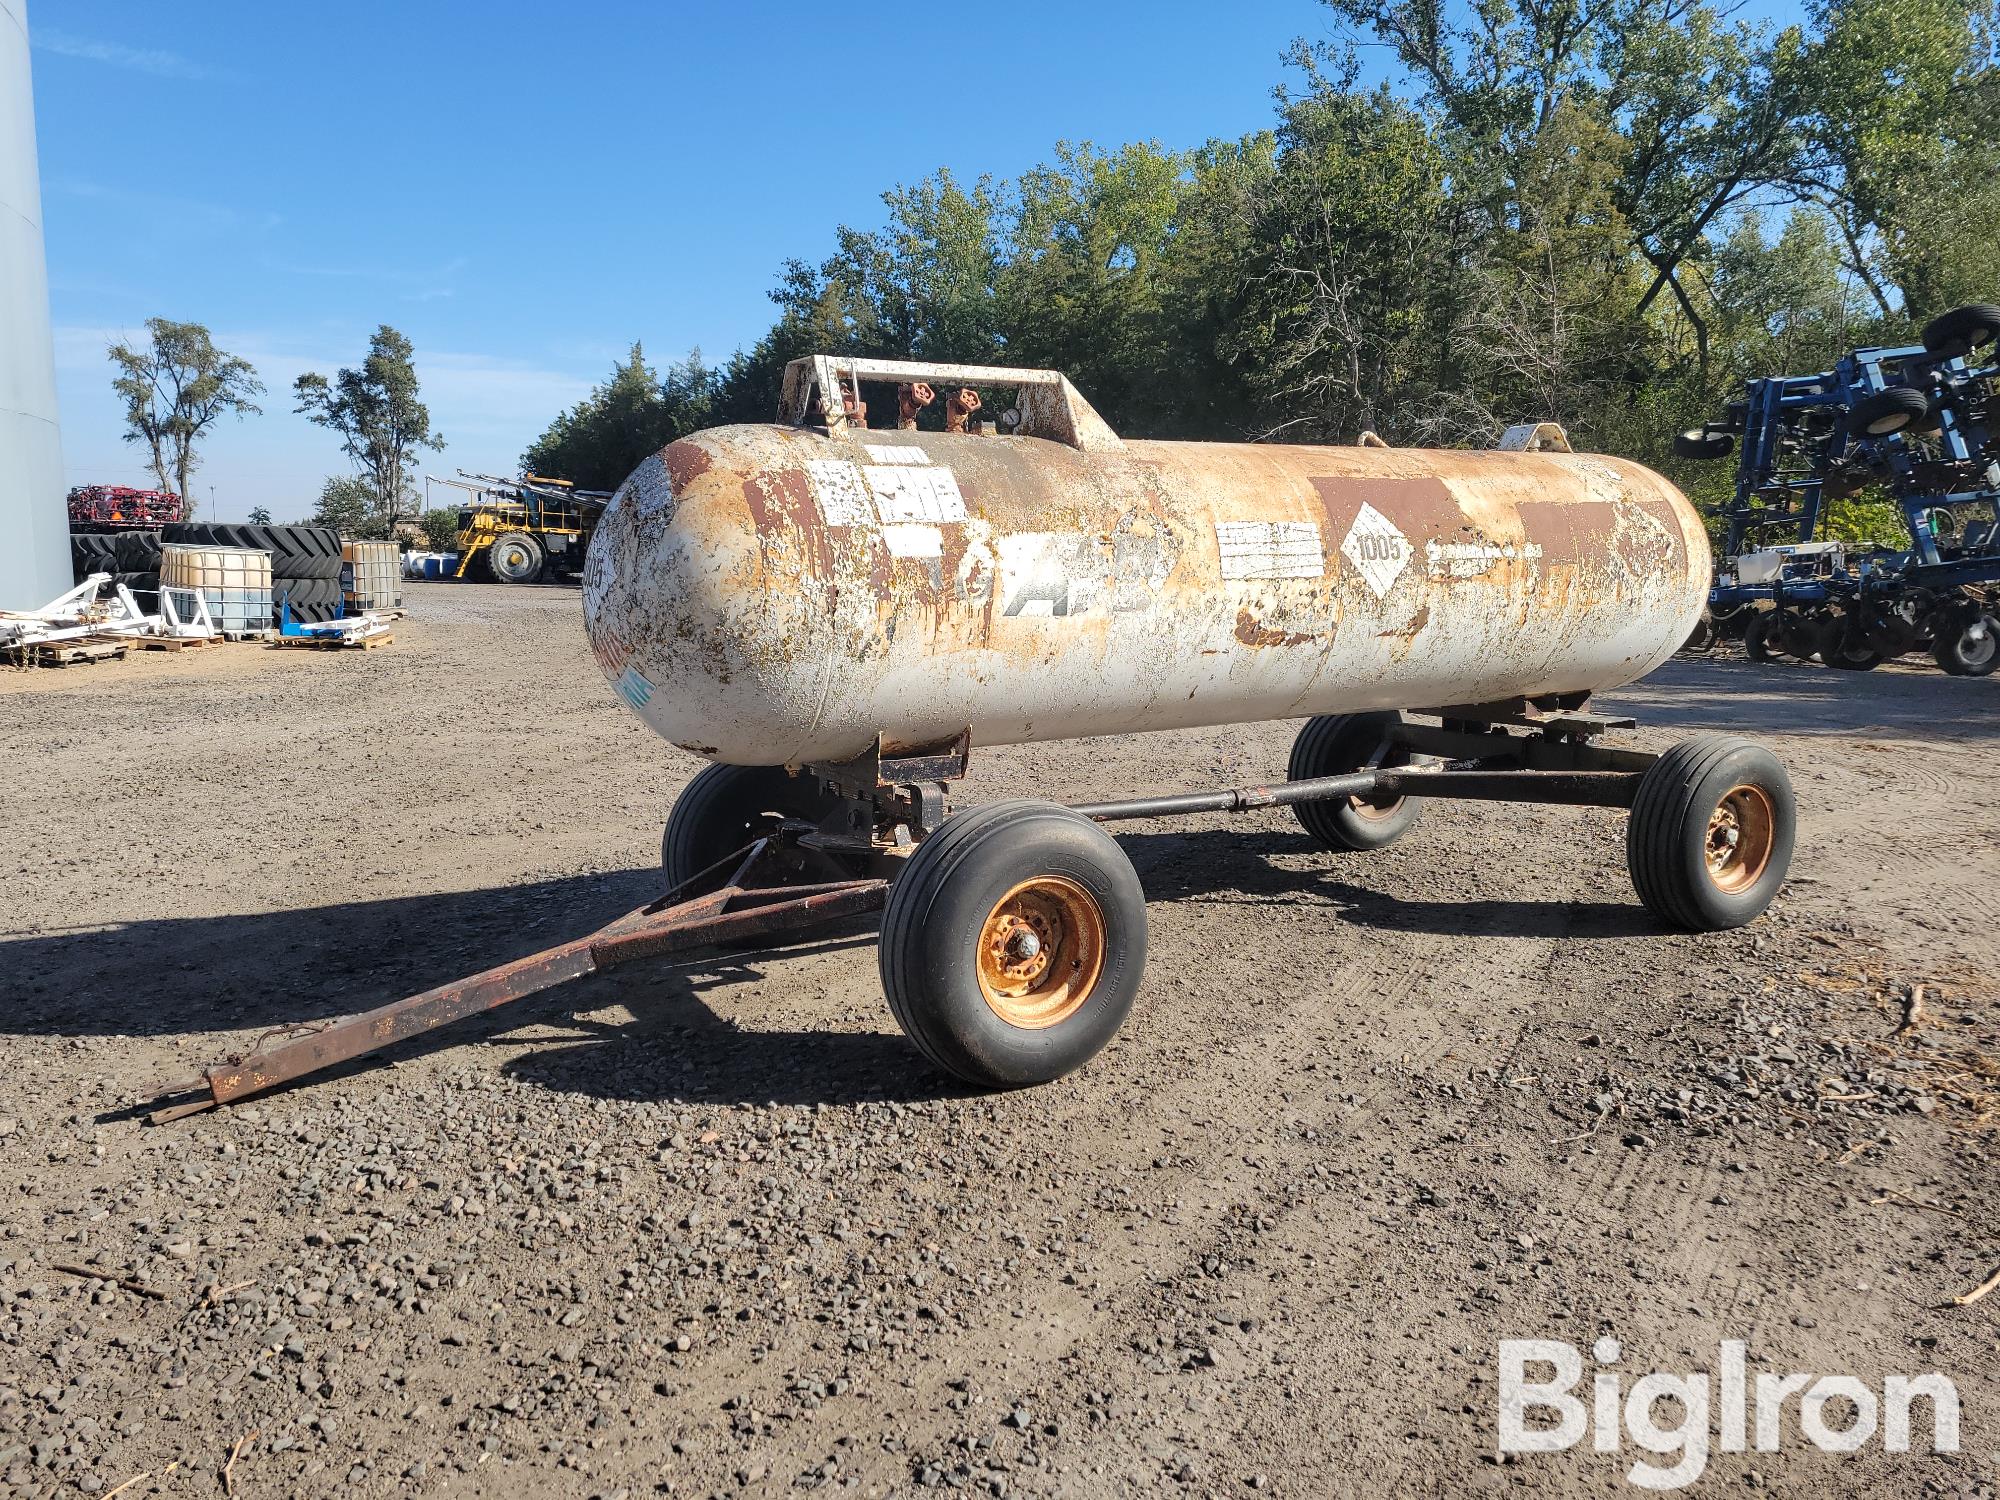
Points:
[(1711, 833), (1339, 745), (514, 557), (726, 808), (1012, 943)]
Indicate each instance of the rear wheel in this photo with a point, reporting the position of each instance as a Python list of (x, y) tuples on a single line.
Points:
[(1012, 943), (1336, 745), (1711, 833), (514, 557), (1966, 643), (727, 808)]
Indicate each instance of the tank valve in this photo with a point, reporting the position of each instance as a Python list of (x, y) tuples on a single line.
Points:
[(911, 399)]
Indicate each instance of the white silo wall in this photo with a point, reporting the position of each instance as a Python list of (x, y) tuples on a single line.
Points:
[(34, 524)]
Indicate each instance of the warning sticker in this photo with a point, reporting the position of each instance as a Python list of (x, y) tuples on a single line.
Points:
[(1377, 549), (909, 539), (1475, 559), (883, 454), (841, 492), (915, 494), (1270, 549)]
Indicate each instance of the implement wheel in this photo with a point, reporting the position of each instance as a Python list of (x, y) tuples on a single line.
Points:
[(514, 557), (1966, 643), (1843, 646), (1336, 745), (1761, 641), (1012, 943), (726, 808), (1711, 833)]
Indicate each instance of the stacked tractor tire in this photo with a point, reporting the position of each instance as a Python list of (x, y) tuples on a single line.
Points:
[(305, 560)]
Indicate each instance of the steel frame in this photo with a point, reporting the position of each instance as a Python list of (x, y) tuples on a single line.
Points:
[(1519, 752)]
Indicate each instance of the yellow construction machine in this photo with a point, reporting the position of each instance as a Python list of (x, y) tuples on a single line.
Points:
[(523, 529)]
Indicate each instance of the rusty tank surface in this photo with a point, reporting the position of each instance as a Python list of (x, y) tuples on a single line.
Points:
[(835, 615), (780, 594)]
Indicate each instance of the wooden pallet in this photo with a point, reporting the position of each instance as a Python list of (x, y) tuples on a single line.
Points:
[(69, 653), (174, 642), (326, 642)]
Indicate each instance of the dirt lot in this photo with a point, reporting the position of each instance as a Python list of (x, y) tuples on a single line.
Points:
[(713, 1227)]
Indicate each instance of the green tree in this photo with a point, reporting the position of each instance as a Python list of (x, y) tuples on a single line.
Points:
[(176, 385), (600, 440), (348, 503), (440, 529), (259, 516), (381, 421)]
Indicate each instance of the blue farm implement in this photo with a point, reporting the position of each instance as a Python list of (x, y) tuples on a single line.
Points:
[(1917, 422)]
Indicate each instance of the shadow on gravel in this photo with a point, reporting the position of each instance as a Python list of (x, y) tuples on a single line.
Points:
[(1221, 862), (678, 1050), (1737, 696), (178, 975)]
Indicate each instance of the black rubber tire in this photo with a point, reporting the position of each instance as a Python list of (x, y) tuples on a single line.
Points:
[(1757, 642), (938, 908), (143, 585), (1667, 837), (296, 551), (136, 551), (1703, 443), (1961, 657), (501, 558), (1703, 637), (1334, 745), (1886, 412), (723, 808), (1957, 333), (314, 600), (1844, 649)]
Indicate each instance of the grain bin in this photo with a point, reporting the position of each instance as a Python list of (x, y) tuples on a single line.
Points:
[(236, 581), (371, 575)]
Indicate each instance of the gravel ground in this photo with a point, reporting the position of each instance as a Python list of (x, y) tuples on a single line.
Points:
[(712, 1226)]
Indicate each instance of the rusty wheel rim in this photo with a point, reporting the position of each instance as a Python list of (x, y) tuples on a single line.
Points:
[(1041, 949), (1737, 846), (1376, 809)]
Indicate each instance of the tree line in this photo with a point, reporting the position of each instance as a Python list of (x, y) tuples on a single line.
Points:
[(1608, 213)]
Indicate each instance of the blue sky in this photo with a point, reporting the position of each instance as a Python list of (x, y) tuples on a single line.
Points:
[(524, 189)]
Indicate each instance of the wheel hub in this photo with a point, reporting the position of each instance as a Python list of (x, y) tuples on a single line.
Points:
[(1737, 847), (1040, 952)]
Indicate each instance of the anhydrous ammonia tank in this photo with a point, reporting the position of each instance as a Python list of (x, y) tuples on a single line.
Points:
[(780, 594)]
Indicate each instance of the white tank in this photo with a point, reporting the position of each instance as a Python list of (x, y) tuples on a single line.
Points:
[(768, 595)]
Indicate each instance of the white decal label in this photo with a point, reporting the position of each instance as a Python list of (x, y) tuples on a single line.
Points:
[(915, 494), (1377, 549), (843, 497), (1471, 559), (908, 540), (886, 455), (1270, 549)]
